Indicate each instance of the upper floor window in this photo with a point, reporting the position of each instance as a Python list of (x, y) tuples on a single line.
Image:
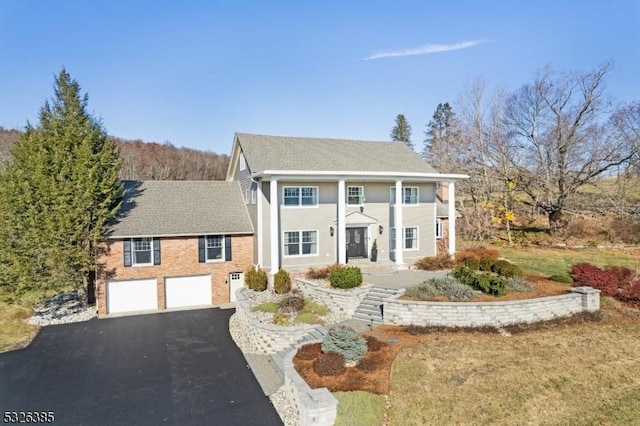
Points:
[(243, 162), (142, 251), (300, 195), (215, 247), (409, 195), (355, 195)]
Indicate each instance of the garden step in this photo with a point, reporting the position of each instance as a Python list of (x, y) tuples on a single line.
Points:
[(269, 375), (369, 311)]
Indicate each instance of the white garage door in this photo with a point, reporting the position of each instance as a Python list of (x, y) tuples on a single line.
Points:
[(132, 296), (182, 292)]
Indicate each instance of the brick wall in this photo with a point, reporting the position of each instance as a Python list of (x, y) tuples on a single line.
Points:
[(179, 258)]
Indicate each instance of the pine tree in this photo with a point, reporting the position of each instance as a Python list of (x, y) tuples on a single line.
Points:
[(440, 134), (57, 195), (402, 131)]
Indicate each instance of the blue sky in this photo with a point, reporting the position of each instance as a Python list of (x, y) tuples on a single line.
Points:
[(195, 72)]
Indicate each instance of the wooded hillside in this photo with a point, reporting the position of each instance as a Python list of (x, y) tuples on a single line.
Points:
[(149, 160)]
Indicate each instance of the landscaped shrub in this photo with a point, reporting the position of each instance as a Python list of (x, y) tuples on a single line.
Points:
[(616, 281), (506, 269), (422, 291), (346, 342), (256, 279), (485, 264), (321, 273), (518, 284), (477, 252), (282, 282), (435, 263), (291, 304), (485, 283), (449, 287), (369, 364), (309, 351), (329, 364), (373, 344), (314, 308), (564, 279), (270, 307), (630, 292), (472, 263), (346, 277)]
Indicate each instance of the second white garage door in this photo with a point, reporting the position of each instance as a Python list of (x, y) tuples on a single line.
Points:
[(193, 290)]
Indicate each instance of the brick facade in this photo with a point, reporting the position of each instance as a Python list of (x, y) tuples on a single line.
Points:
[(179, 258)]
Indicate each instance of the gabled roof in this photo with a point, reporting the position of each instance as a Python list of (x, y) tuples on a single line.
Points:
[(181, 208), (264, 152)]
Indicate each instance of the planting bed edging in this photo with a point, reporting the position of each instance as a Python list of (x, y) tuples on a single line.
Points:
[(340, 300), (268, 338), (476, 314), (315, 406)]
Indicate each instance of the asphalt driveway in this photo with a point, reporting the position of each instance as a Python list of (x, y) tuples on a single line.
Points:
[(178, 368)]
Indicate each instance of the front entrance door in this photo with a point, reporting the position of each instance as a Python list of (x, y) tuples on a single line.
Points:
[(356, 242)]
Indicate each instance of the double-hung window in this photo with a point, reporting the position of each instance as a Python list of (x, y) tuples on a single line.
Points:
[(409, 195), (300, 243), (214, 247), (142, 253), (355, 195), (300, 196), (439, 228), (409, 237)]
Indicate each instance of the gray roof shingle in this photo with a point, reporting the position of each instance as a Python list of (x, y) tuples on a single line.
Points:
[(319, 154), (181, 208)]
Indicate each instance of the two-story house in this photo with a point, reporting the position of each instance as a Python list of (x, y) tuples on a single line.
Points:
[(317, 201)]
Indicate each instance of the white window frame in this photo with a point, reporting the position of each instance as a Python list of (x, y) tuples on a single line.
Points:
[(206, 248), (392, 195), (246, 196), (133, 251), (392, 238), (300, 189), (243, 162), (300, 243), (360, 196), (439, 228), (254, 196)]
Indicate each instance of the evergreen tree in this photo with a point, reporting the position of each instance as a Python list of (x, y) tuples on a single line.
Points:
[(440, 134), (57, 195), (402, 131)]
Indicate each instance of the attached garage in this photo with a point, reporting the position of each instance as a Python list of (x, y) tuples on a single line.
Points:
[(132, 295), (194, 290)]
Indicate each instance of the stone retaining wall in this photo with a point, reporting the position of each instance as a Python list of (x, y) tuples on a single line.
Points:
[(315, 406), (338, 300), (268, 338), (475, 314)]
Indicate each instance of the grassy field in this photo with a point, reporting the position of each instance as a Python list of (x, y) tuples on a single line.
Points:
[(360, 409), (558, 261), (14, 330), (580, 375)]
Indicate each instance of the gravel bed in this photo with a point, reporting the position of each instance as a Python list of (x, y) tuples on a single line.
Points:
[(83, 315), (63, 308)]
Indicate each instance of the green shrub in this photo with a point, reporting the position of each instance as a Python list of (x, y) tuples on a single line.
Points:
[(307, 318), (329, 364), (518, 284), (449, 287), (291, 304), (561, 278), (485, 264), (309, 351), (256, 279), (346, 277), (282, 282), (485, 283), (271, 307), (435, 263), (472, 263), (314, 308), (345, 341), (506, 269), (422, 291)]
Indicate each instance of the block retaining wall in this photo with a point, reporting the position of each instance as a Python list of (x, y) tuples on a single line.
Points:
[(338, 300), (476, 314), (267, 338)]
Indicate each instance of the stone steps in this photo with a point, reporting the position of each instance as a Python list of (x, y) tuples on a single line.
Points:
[(370, 309)]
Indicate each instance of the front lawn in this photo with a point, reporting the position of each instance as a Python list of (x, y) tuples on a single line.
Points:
[(15, 332)]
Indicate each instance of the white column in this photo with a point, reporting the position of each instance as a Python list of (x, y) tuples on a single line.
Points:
[(274, 219), (397, 223), (342, 228), (259, 223), (452, 218)]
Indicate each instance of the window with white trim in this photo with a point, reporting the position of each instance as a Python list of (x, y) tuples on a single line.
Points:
[(355, 195), (439, 228), (214, 247), (141, 251), (409, 195), (243, 162), (410, 237), (246, 196), (254, 196), (305, 196), (298, 243)]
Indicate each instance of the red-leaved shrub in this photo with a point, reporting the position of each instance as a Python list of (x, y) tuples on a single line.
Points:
[(616, 281), (309, 351), (329, 364), (477, 252)]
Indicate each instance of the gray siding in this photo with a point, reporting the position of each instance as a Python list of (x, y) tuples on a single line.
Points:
[(243, 177)]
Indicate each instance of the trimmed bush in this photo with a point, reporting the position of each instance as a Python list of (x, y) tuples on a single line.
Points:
[(449, 287), (504, 268), (368, 364), (256, 279), (616, 281), (485, 264), (291, 304), (565, 279), (486, 283), (346, 277), (435, 263), (321, 273), (477, 252), (309, 351), (518, 284), (329, 364), (345, 341), (282, 282), (422, 291), (373, 344), (472, 263)]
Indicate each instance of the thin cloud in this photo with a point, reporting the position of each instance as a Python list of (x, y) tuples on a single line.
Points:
[(424, 50)]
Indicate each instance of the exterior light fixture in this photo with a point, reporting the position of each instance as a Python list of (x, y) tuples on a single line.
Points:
[(380, 229), (331, 230)]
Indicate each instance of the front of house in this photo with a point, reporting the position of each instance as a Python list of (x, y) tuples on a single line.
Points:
[(335, 198)]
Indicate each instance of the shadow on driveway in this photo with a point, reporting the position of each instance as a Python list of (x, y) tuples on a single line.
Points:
[(178, 368)]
